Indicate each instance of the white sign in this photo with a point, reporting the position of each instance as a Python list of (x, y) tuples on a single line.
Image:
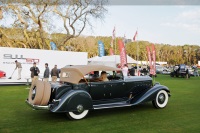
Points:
[(27, 56)]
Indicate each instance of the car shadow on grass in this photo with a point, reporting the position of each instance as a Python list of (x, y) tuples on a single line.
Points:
[(42, 115), (122, 110)]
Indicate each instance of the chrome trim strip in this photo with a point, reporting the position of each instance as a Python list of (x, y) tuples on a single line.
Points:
[(106, 107), (38, 107), (114, 103), (136, 78)]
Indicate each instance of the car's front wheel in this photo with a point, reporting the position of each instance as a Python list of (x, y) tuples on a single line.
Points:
[(161, 99), (77, 115)]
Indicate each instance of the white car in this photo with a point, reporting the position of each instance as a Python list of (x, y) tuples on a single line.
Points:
[(162, 70)]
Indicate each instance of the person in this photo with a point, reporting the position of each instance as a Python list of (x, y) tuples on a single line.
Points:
[(125, 70), (95, 75), (46, 73), (34, 72), (187, 73), (195, 71), (54, 74), (19, 66), (103, 76), (132, 71)]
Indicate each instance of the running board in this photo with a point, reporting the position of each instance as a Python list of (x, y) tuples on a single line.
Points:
[(111, 105)]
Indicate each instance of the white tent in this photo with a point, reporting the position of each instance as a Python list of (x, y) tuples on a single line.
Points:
[(111, 60)]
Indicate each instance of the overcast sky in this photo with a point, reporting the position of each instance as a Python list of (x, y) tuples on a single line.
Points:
[(159, 23), (168, 24)]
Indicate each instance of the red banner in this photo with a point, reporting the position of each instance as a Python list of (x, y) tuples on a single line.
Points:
[(123, 57), (149, 58), (111, 51), (134, 38), (154, 60)]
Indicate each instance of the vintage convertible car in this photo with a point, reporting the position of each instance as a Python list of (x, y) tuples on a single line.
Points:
[(76, 94)]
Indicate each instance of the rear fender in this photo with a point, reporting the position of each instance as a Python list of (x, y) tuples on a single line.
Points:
[(70, 101), (150, 95)]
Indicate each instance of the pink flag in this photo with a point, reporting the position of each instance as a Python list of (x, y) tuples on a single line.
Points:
[(153, 59), (111, 43), (134, 38), (123, 56), (114, 33), (111, 51)]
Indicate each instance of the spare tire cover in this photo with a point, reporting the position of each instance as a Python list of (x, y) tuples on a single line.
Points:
[(46, 94), (36, 92)]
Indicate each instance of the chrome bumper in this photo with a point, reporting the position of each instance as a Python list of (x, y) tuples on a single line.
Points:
[(38, 107)]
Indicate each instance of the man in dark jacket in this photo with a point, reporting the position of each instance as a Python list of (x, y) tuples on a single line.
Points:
[(54, 74), (34, 72), (132, 71), (46, 73)]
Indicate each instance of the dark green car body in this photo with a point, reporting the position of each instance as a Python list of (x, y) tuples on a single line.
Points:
[(99, 95), (76, 95)]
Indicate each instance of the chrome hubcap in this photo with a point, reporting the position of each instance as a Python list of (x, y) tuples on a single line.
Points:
[(80, 108), (161, 98)]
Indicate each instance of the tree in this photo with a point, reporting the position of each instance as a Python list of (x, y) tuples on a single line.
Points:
[(1, 13), (38, 16), (30, 17), (76, 14)]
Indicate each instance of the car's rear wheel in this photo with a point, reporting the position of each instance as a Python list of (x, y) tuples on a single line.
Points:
[(76, 115), (161, 99), (79, 114)]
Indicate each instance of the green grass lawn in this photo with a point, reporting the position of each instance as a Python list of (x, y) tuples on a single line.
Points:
[(182, 114)]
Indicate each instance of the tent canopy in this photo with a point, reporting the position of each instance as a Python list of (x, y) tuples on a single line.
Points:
[(111, 60)]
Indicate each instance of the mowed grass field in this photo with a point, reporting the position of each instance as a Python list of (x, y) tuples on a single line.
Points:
[(182, 114)]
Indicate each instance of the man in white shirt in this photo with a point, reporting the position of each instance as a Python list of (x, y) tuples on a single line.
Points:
[(125, 70), (19, 66)]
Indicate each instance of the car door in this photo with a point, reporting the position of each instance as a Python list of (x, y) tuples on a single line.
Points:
[(108, 90), (97, 90), (116, 89)]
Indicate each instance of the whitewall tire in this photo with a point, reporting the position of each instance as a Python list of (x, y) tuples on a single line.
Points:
[(77, 115), (161, 99)]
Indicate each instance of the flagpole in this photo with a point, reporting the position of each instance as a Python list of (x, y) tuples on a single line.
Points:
[(137, 54), (115, 44), (115, 53), (137, 59)]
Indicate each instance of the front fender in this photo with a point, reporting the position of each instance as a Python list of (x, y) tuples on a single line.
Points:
[(69, 101), (150, 95)]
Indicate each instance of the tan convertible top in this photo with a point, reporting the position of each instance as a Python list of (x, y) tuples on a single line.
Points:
[(73, 74)]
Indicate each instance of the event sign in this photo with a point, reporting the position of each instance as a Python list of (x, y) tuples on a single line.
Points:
[(28, 56), (53, 46), (101, 49)]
